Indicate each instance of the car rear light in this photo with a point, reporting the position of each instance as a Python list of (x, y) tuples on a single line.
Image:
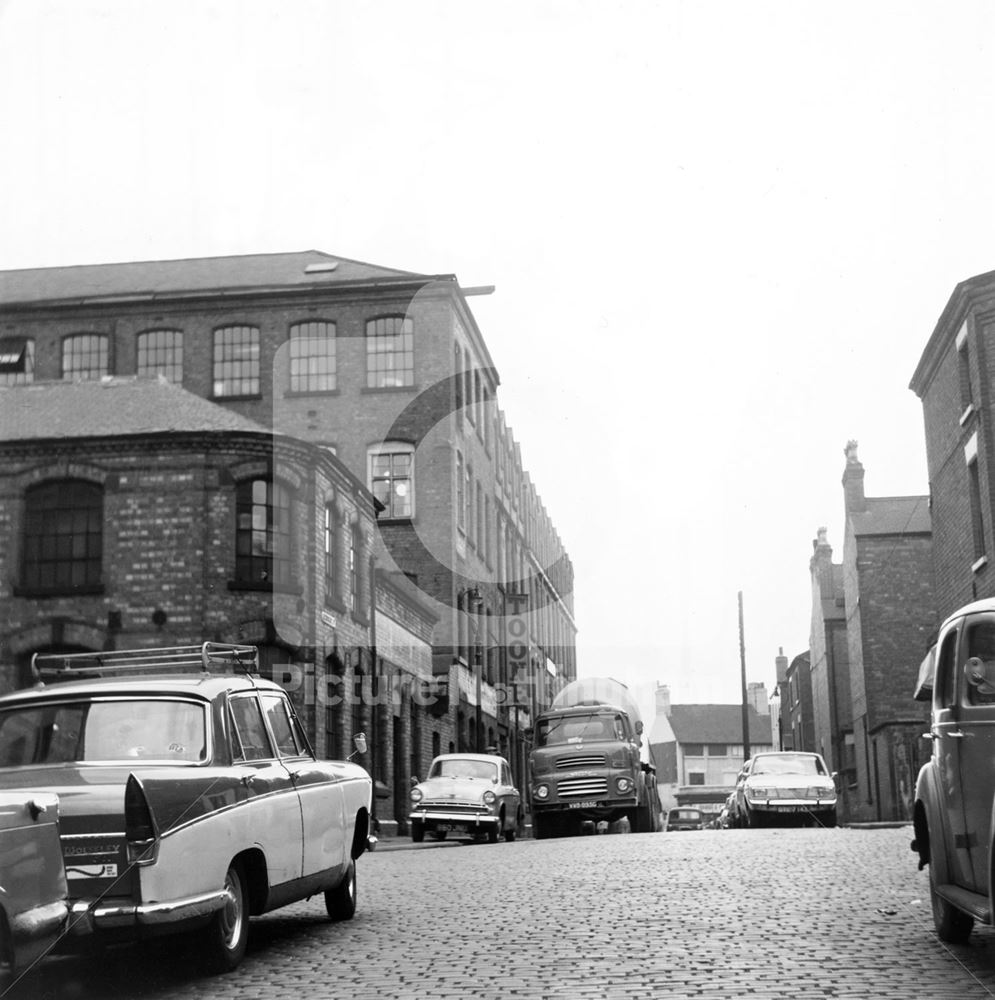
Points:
[(140, 831)]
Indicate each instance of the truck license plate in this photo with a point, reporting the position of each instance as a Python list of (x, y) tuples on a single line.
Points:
[(582, 805)]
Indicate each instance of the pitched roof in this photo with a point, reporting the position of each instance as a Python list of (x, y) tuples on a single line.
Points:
[(138, 279), (718, 724), (893, 516), (110, 407)]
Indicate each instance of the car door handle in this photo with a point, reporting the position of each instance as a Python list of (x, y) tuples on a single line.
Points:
[(248, 780), (956, 734)]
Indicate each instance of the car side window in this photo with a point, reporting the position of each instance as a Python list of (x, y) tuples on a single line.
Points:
[(250, 728), (945, 674), (275, 707), (979, 666)]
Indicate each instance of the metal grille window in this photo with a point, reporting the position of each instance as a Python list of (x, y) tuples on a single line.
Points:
[(63, 536), (312, 357), (85, 356), (17, 361), (160, 352), (392, 480), (236, 361), (390, 354), (262, 533)]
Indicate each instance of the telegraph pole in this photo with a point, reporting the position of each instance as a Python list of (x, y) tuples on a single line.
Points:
[(742, 667)]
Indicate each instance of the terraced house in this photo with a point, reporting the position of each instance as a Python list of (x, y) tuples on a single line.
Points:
[(298, 450)]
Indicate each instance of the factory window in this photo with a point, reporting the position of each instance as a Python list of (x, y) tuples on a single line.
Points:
[(262, 533), (17, 360), (85, 356), (312, 357), (236, 361), (390, 353), (160, 352)]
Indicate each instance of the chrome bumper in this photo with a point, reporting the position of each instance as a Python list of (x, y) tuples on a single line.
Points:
[(444, 817), (85, 918)]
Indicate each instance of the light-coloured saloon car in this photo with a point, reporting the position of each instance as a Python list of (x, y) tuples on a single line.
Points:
[(190, 798), (466, 795), (785, 787)]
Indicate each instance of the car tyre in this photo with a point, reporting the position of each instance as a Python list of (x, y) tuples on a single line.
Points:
[(493, 832), (754, 820), (952, 925), (340, 902), (228, 932), (417, 831), (6, 957)]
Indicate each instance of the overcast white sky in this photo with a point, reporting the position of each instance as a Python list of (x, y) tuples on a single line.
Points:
[(721, 235)]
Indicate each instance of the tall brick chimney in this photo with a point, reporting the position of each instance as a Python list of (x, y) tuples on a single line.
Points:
[(853, 480), (662, 700), (821, 563), (781, 665)]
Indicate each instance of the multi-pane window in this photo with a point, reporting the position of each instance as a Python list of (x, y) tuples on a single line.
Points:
[(262, 532), (392, 479), (460, 493), (63, 536), (390, 352), (479, 505), (160, 352), (85, 356), (312, 357), (236, 361), (17, 360)]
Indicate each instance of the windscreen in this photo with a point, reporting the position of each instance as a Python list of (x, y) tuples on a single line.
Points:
[(96, 731), (590, 726)]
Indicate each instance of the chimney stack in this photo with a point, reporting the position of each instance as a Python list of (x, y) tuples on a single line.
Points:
[(853, 480)]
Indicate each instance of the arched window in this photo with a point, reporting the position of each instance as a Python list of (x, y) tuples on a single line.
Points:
[(63, 537), (236, 361), (160, 352), (312, 357), (85, 356), (263, 537), (390, 352)]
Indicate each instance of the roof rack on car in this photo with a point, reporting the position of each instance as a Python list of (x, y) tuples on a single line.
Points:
[(210, 657)]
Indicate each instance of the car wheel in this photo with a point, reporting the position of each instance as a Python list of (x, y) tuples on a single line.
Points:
[(6, 957), (829, 818), (753, 820), (952, 925), (512, 832), (493, 832), (340, 902), (228, 931), (417, 831)]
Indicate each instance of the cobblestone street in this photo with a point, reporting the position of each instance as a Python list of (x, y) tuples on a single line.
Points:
[(737, 913)]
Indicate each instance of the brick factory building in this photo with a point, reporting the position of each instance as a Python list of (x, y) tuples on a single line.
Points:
[(311, 389)]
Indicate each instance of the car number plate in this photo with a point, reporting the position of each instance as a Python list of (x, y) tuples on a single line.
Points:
[(785, 809), (452, 827), (582, 805)]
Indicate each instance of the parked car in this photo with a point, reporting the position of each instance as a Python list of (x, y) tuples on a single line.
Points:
[(684, 818), (33, 895), (189, 800), (466, 795), (785, 786), (955, 788)]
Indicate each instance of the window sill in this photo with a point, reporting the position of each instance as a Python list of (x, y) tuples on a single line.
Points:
[(43, 592), (303, 393), (266, 587), (979, 564), (389, 388), (335, 603)]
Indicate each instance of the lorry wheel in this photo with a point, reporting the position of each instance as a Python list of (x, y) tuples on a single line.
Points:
[(417, 831), (952, 925), (542, 827)]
